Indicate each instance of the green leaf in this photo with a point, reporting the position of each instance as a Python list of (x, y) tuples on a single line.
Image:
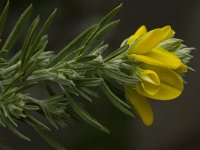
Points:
[(60, 78), (116, 53), (119, 76), (15, 58), (99, 50), (84, 82), (48, 139), (63, 53), (2, 122), (87, 117), (19, 134), (110, 15), (84, 67), (102, 24), (86, 58), (83, 94), (105, 29), (42, 45), (115, 87), (19, 26), (49, 117), (28, 40), (15, 79), (34, 122), (81, 112), (28, 69), (98, 35), (118, 103), (90, 92), (41, 34), (88, 37), (3, 17)]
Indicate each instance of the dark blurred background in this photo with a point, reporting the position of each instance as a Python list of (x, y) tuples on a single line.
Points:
[(177, 123)]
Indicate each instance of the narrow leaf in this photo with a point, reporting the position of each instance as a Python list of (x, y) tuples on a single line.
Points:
[(83, 94), (27, 41), (83, 113), (116, 53), (69, 47), (119, 76), (19, 26), (41, 34), (86, 58), (88, 82), (54, 144), (90, 92), (3, 17), (19, 134), (34, 122), (98, 35), (99, 50), (110, 15), (118, 103)]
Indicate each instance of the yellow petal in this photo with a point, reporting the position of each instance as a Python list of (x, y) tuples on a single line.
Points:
[(167, 32), (148, 88), (137, 34), (171, 84), (149, 76), (182, 68), (151, 40), (141, 105), (159, 57), (150, 81), (148, 42)]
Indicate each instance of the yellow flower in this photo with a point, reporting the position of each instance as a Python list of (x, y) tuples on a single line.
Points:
[(144, 47), (157, 83), (159, 73)]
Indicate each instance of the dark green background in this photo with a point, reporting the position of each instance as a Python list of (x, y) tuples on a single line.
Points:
[(177, 123)]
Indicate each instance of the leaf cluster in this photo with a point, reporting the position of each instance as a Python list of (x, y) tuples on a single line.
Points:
[(68, 75)]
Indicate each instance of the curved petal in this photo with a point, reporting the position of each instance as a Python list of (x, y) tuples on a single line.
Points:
[(159, 57), (171, 84), (149, 88), (182, 68), (141, 105), (150, 81), (148, 42), (148, 76), (142, 30), (167, 32), (152, 39)]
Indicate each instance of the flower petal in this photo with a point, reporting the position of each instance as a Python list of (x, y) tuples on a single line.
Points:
[(150, 81), (151, 40), (148, 76), (167, 32), (142, 30), (148, 88), (171, 84), (182, 68), (141, 105), (159, 57)]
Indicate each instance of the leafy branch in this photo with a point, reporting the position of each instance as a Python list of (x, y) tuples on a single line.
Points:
[(74, 70)]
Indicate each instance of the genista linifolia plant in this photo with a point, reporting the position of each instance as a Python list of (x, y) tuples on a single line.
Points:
[(148, 65)]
